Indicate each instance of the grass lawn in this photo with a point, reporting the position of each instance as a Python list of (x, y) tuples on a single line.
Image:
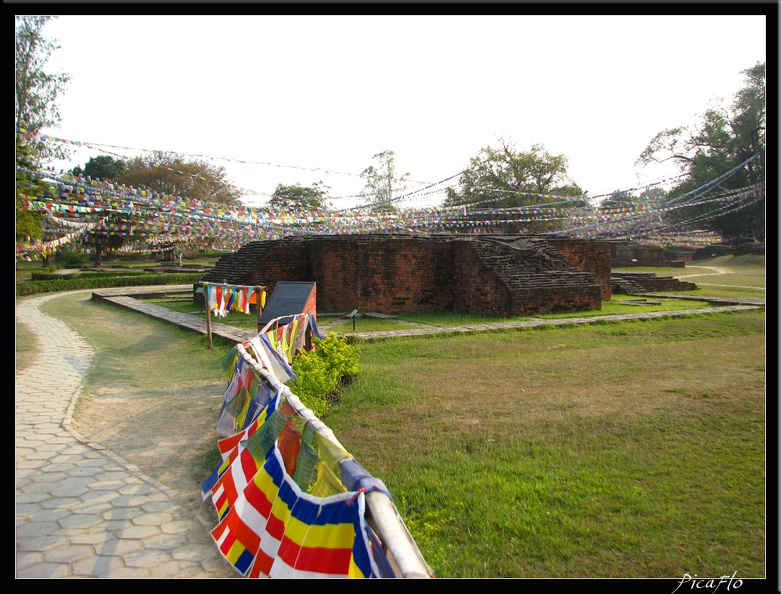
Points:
[(623, 450)]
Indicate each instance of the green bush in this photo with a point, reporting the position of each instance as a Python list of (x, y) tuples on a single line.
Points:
[(33, 287), (109, 273), (70, 259), (130, 257), (204, 254), (323, 371), (51, 276)]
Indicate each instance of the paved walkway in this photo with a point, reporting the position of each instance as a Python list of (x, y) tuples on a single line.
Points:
[(82, 511)]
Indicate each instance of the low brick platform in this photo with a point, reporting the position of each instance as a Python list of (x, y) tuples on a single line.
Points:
[(188, 322), (637, 283)]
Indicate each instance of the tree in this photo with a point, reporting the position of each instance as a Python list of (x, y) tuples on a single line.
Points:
[(383, 183), (619, 198), (102, 167), (726, 139), (169, 173), (36, 90), (304, 197), (106, 237), (503, 178), (28, 222), (653, 195), (34, 108)]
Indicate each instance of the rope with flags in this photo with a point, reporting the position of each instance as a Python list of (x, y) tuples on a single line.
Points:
[(146, 219)]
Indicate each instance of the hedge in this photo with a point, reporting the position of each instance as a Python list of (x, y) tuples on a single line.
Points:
[(32, 287), (50, 276)]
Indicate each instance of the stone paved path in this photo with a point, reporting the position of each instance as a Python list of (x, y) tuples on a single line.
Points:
[(82, 511)]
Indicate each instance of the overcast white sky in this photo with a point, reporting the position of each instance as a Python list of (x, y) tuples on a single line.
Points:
[(272, 97)]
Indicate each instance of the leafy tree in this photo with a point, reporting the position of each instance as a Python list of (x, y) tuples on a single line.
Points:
[(503, 178), (104, 240), (727, 137), (34, 108), (382, 183), (36, 90), (28, 223), (305, 197), (102, 167), (169, 173), (619, 198), (653, 195)]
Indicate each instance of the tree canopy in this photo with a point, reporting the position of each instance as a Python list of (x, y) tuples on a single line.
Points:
[(36, 90), (728, 142), (28, 223), (305, 197), (35, 93), (382, 183), (102, 167), (502, 182), (171, 174)]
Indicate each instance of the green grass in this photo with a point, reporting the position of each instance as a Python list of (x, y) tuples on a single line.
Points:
[(746, 275), (132, 355), (139, 358), (26, 347), (619, 304), (621, 450)]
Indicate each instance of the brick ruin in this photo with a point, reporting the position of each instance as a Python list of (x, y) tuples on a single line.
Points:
[(625, 254), (628, 253), (498, 275), (637, 283)]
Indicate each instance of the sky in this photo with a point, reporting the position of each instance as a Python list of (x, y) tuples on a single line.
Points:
[(298, 99)]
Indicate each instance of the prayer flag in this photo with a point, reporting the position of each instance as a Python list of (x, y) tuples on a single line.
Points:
[(277, 530)]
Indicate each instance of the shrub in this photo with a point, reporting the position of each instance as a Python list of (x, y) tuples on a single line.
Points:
[(130, 256), (323, 371), (108, 273), (70, 259), (33, 287), (204, 254)]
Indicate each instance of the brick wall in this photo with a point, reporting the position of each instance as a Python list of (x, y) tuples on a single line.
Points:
[(626, 253), (477, 288), (389, 274), (750, 248), (712, 251), (678, 254), (641, 282), (386, 274), (592, 256)]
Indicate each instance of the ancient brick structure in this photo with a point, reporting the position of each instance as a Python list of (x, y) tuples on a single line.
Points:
[(678, 256), (750, 247), (637, 283), (395, 273), (711, 251), (587, 255), (627, 253)]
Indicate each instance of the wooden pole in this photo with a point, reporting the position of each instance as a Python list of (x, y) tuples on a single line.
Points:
[(208, 314), (258, 291)]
